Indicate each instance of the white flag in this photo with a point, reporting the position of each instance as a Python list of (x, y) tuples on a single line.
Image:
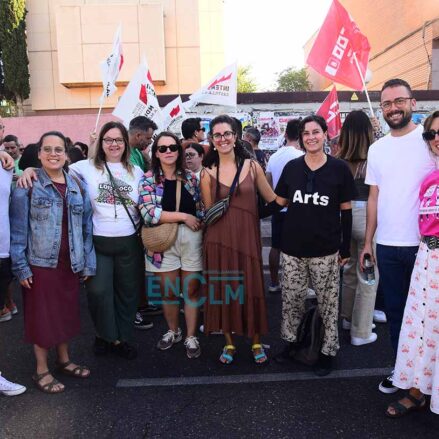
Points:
[(220, 90), (139, 98), (110, 68), (173, 113)]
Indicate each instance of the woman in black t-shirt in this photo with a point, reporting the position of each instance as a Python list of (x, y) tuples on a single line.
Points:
[(316, 235)]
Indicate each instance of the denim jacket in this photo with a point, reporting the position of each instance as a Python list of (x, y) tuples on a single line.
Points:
[(36, 218)]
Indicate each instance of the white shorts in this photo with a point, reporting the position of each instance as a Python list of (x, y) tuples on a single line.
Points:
[(185, 253)]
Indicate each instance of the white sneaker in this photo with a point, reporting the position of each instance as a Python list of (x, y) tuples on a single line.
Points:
[(10, 389), (274, 289), (379, 316), (357, 341), (192, 347)]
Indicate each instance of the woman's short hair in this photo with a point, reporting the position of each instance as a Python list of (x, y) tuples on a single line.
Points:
[(197, 147), (311, 118), (99, 158), (59, 135)]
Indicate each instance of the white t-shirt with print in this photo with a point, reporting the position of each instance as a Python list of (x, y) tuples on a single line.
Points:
[(5, 190), (398, 165), (110, 219), (277, 162)]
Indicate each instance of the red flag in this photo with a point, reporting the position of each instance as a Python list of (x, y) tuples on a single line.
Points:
[(332, 53), (330, 111)]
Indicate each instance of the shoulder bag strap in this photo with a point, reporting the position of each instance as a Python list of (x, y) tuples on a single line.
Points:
[(178, 195), (236, 179), (122, 200)]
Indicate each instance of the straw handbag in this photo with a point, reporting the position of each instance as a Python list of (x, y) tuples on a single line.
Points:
[(160, 238)]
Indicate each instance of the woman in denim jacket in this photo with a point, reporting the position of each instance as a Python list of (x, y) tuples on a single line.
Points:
[(178, 269), (51, 248)]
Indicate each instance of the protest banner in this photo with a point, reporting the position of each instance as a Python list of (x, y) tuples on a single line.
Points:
[(220, 90), (330, 111), (139, 98)]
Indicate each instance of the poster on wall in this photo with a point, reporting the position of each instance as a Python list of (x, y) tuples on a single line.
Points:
[(268, 125)]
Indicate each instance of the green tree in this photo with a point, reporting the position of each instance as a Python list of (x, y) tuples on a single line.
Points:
[(246, 84), (14, 60), (293, 79)]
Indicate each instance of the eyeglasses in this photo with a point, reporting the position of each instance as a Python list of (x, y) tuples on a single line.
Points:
[(430, 135), (162, 149), (310, 182), (57, 150), (190, 155), (109, 141), (399, 102), (228, 135), (202, 129)]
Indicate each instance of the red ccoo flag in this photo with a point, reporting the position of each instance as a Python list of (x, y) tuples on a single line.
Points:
[(330, 111), (338, 40)]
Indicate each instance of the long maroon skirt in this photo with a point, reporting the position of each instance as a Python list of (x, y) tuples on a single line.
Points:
[(51, 306)]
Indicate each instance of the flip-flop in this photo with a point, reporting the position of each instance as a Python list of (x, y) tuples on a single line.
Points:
[(225, 356), (260, 356)]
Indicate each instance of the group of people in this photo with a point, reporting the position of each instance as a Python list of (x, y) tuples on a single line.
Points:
[(84, 222)]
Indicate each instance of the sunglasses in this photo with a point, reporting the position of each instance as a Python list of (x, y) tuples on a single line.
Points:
[(310, 182), (430, 135), (202, 129), (190, 155), (162, 149)]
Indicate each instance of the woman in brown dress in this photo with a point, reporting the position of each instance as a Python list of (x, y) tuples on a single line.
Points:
[(51, 247), (235, 299)]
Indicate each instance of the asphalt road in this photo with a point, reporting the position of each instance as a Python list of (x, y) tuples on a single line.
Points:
[(164, 394)]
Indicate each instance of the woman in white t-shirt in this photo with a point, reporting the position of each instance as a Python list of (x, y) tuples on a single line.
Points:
[(113, 294)]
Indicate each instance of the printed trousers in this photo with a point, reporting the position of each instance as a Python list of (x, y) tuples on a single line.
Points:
[(324, 273)]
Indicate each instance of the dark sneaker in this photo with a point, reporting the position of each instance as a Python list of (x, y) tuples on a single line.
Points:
[(124, 350), (140, 323), (324, 366), (274, 289), (193, 349), (150, 310), (101, 347), (286, 354), (169, 339), (386, 385)]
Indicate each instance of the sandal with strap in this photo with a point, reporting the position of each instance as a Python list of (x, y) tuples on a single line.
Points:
[(77, 372), (225, 357), (49, 387), (401, 410), (261, 356)]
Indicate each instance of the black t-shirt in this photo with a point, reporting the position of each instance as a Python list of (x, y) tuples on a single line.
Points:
[(187, 203), (312, 223)]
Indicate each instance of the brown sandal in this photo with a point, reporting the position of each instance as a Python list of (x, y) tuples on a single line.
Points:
[(402, 410), (49, 387), (77, 372)]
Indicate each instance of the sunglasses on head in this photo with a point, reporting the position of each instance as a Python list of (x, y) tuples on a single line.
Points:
[(430, 135), (162, 149)]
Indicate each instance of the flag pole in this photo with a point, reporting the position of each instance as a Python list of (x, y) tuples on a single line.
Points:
[(364, 84), (101, 103)]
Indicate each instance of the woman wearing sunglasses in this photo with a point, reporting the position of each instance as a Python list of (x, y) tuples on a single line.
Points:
[(316, 236), (417, 362), (113, 294), (235, 299), (51, 247), (169, 194)]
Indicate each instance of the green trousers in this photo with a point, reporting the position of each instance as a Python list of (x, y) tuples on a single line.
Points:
[(113, 294)]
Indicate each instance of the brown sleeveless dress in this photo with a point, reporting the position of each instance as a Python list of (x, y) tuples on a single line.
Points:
[(234, 291)]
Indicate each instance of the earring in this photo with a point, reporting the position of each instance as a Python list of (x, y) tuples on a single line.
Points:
[(214, 148)]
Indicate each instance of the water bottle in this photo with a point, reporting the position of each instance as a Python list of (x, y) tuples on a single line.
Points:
[(369, 270)]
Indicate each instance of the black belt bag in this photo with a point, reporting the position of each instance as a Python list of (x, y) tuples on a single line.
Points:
[(431, 241)]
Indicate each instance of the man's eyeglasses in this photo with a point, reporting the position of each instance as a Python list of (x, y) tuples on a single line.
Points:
[(228, 135), (190, 155), (398, 102), (430, 135), (202, 129), (58, 150), (162, 149), (109, 141)]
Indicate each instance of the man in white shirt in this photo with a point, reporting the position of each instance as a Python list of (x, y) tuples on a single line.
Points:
[(275, 166), (396, 166)]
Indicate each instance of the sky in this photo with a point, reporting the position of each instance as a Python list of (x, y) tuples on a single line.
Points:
[(269, 35)]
